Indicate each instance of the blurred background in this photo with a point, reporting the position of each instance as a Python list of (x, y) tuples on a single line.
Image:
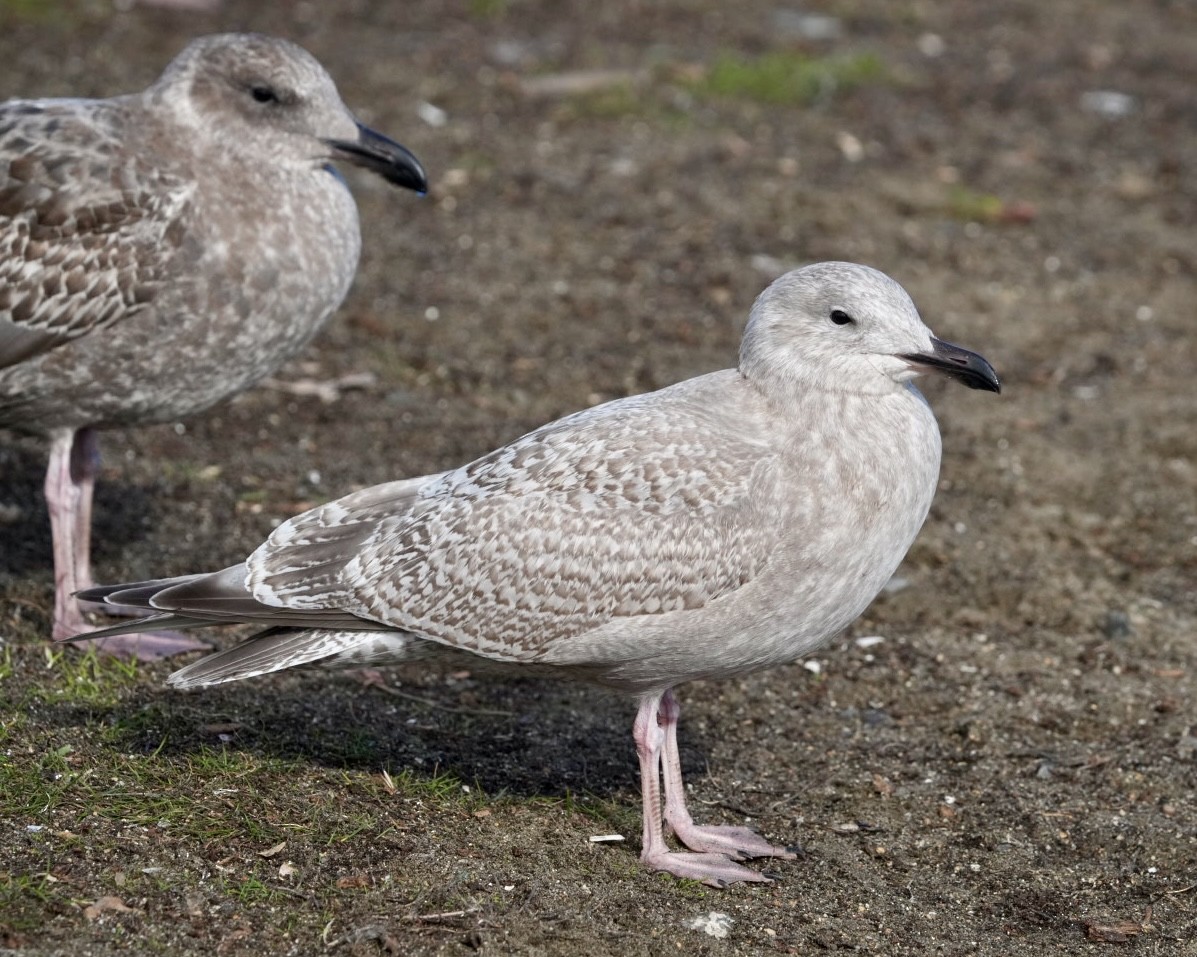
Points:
[(611, 186)]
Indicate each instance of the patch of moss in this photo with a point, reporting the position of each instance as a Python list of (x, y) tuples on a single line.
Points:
[(789, 78), (488, 9), (973, 206)]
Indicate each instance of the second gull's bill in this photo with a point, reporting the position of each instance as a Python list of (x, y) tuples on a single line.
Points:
[(731, 522), (163, 251)]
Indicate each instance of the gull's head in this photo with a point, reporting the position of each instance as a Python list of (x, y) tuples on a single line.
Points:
[(275, 98), (849, 328)]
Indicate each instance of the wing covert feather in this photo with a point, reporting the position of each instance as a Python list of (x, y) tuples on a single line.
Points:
[(78, 251), (604, 514)]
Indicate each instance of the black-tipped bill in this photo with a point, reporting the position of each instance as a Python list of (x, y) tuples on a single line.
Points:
[(379, 154), (956, 363)]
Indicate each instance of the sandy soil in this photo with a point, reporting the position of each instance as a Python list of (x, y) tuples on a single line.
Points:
[(1011, 769)]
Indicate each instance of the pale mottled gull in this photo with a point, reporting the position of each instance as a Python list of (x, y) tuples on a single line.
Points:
[(728, 523), (162, 251)]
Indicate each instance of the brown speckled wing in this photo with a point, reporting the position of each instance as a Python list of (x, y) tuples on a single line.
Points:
[(602, 515), (85, 239)]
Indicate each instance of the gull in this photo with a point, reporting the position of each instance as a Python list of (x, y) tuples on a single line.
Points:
[(729, 523), (162, 251)]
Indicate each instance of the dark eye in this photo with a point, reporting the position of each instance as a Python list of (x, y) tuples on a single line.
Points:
[(841, 318), (263, 94)]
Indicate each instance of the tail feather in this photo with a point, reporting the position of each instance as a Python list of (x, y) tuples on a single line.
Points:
[(131, 593), (281, 648), (219, 598), (292, 637), (135, 626), (142, 594)]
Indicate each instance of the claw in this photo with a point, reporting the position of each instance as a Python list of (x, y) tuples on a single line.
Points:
[(714, 870), (737, 843)]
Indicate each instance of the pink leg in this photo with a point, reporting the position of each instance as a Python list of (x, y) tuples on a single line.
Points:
[(738, 843), (714, 869), (70, 482)]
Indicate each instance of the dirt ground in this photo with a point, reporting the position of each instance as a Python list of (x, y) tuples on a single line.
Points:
[(1010, 770)]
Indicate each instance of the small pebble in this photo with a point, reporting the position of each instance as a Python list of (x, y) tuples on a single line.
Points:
[(1108, 103), (713, 924), (1116, 624)]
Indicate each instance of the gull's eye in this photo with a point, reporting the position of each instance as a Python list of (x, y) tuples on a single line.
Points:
[(263, 94), (841, 318)]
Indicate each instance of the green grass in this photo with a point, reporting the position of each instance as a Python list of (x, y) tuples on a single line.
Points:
[(24, 898), (51, 14), (488, 9), (611, 103), (626, 100), (777, 78), (789, 78), (611, 814), (250, 891), (129, 794), (32, 785), (83, 679), (30, 9), (973, 206), (436, 786)]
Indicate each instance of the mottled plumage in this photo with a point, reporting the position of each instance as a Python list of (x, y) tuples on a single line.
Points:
[(162, 251), (725, 524)]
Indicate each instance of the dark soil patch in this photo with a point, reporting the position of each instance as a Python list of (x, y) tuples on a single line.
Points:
[(1011, 770)]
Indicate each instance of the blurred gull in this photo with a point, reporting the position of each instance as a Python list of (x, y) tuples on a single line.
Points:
[(729, 523), (162, 251)]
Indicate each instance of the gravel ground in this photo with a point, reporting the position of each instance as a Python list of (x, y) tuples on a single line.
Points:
[(1007, 766)]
